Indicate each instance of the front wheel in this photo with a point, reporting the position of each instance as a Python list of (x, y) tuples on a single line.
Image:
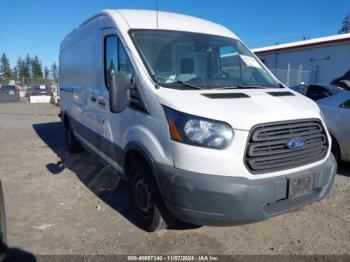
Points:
[(152, 215)]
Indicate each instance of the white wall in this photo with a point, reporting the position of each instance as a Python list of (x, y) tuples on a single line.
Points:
[(329, 61)]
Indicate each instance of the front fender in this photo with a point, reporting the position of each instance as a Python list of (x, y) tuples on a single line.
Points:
[(160, 152), (148, 145)]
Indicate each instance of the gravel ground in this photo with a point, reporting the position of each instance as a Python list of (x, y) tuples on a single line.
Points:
[(59, 203)]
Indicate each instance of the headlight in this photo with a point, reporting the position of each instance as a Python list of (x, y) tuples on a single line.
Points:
[(198, 131)]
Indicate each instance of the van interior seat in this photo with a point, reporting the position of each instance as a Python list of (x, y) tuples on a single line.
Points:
[(186, 70)]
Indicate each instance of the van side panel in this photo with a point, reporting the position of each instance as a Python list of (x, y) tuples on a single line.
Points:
[(78, 64)]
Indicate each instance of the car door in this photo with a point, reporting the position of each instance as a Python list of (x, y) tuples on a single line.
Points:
[(113, 58), (336, 110), (91, 86)]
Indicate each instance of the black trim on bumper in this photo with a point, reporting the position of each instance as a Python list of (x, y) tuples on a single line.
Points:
[(219, 200)]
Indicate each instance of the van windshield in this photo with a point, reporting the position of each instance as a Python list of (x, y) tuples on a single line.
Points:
[(185, 60)]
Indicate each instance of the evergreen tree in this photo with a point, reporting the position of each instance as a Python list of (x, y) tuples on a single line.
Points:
[(37, 71), (346, 25), (54, 71), (20, 65), (5, 68), (46, 72), (27, 66), (15, 71)]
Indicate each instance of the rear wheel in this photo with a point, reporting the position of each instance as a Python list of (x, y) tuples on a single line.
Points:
[(152, 215), (72, 142)]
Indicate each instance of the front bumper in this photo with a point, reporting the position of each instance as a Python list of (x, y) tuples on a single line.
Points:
[(219, 200)]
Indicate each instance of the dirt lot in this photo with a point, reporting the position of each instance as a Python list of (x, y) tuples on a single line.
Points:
[(59, 203)]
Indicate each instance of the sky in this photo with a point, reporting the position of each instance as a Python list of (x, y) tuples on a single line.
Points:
[(37, 27)]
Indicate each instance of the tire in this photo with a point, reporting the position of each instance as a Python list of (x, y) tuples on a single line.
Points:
[(72, 142), (151, 213)]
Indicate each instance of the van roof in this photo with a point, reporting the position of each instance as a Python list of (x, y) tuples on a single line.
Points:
[(147, 19), (125, 20)]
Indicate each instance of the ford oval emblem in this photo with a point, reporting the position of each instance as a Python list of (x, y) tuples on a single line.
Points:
[(297, 143)]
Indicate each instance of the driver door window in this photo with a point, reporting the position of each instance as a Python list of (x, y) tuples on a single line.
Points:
[(116, 59)]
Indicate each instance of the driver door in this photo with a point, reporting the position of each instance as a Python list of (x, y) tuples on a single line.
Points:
[(113, 58)]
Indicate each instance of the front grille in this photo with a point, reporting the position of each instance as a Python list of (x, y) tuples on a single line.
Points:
[(267, 149)]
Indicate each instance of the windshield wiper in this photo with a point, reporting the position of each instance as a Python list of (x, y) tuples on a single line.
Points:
[(186, 84), (177, 82)]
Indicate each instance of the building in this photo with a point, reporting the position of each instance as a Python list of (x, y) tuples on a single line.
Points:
[(318, 60)]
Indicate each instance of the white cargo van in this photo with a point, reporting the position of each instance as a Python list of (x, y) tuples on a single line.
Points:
[(199, 127)]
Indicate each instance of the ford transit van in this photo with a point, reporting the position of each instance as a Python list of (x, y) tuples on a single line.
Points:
[(188, 115)]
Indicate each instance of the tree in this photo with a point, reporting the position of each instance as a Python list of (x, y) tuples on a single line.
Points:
[(20, 65), (346, 25), (46, 72), (37, 71), (5, 68), (54, 70), (15, 71), (27, 67)]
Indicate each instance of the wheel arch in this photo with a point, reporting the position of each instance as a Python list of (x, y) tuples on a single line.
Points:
[(135, 151)]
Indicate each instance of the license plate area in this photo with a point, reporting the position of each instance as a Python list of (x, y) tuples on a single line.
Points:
[(300, 186)]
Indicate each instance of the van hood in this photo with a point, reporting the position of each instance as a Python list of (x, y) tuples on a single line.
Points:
[(243, 108)]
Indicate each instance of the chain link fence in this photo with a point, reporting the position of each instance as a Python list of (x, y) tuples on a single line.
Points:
[(292, 77), (25, 87), (27, 81)]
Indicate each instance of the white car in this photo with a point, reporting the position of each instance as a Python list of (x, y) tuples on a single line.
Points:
[(189, 116), (334, 102)]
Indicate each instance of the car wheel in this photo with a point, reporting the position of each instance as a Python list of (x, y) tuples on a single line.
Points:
[(72, 142), (3, 248), (151, 213)]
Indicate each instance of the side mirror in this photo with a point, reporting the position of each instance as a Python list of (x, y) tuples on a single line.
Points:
[(118, 93)]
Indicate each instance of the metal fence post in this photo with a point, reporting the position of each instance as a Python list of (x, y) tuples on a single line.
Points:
[(300, 73), (288, 74)]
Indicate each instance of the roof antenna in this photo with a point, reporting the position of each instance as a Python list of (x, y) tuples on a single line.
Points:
[(157, 27)]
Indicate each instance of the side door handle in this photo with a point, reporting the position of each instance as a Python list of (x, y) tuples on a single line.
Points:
[(93, 99), (102, 102)]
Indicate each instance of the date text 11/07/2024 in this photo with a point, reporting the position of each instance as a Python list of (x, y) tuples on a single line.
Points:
[(172, 258)]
